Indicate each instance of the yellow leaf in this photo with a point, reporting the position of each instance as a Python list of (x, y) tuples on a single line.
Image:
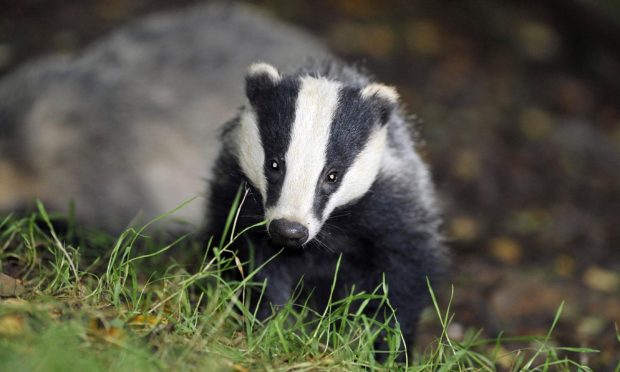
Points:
[(15, 302), (466, 164), (505, 358), (602, 280), (464, 228), (146, 320), (239, 368), (564, 265), (12, 325), (535, 123), (506, 250), (97, 328), (424, 37)]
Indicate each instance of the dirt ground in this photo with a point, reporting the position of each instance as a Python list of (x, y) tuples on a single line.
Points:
[(518, 106)]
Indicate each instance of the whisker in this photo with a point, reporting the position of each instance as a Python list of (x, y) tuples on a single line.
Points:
[(321, 243), (340, 214), (327, 226)]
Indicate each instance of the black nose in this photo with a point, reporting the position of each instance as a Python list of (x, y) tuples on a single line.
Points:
[(287, 233)]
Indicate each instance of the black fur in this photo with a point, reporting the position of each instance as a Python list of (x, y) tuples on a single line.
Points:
[(352, 124), (274, 105), (390, 231)]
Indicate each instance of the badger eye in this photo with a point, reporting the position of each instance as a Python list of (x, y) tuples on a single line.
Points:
[(274, 165), (332, 177)]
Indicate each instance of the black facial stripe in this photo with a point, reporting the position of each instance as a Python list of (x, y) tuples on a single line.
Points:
[(275, 111), (353, 122)]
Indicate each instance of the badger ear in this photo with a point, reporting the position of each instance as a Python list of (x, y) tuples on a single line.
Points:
[(385, 99), (260, 76)]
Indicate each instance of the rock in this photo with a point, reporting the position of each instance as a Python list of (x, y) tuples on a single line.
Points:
[(10, 287), (126, 129)]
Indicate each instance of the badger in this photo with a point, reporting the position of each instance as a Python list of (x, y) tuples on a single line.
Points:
[(330, 165)]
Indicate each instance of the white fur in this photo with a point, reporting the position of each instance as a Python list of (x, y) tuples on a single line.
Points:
[(362, 173), (423, 183), (380, 90), (305, 159), (250, 153), (392, 164), (399, 169), (261, 68)]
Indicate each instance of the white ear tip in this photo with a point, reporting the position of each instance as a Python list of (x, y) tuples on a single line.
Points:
[(380, 90), (262, 68)]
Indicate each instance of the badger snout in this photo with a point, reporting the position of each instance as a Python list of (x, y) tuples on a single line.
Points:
[(288, 233)]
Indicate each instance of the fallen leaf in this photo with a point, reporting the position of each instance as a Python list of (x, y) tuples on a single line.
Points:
[(537, 40), (109, 333), (564, 265), (591, 326), (55, 313), (601, 279), (535, 123), (146, 320), (464, 228), (424, 37), (10, 287), (11, 325), (15, 302), (466, 165), (506, 250), (505, 358), (239, 368)]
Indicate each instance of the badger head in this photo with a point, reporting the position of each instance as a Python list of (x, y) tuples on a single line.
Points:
[(310, 145)]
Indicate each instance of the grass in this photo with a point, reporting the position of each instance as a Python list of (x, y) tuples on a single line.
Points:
[(134, 303)]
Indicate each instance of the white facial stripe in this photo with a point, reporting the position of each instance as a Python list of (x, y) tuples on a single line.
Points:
[(250, 153), (362, 173), (317, 102)]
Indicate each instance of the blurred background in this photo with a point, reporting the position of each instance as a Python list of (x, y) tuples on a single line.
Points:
[(517, 106)]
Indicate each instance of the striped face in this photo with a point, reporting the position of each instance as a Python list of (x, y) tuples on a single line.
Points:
[(310, 145)]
